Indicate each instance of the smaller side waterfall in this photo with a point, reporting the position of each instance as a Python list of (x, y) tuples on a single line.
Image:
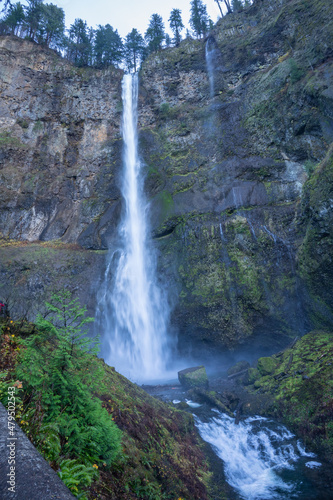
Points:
[(132, 310), (210, 56)]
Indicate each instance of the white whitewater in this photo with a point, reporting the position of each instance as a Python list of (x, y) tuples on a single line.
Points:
[(132, 309), (253, 454)]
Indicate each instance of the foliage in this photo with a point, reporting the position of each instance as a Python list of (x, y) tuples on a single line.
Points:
[(79, 43), (236, 5), (161, 456), (33, 15), (296, 71), (60, 376), (155, 33), (299, 383), (176, 25), (134, 49), (108, 46), (309, 166), (52, 26), (7, 4), (199, 19), (14, 18), (77, 477)]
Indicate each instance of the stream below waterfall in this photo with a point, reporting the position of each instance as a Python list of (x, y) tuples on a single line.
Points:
[(261, 459)]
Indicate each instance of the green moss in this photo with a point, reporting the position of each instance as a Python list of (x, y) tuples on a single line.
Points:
[(38, 127), (7, 140), (23, 123), (266, 366), (193, 377), (300, 383), (165, 201), (253, 375), (296, 70)]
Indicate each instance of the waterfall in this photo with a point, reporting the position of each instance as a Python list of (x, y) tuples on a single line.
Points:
[(209, 52), (132, 310), (258, 454)]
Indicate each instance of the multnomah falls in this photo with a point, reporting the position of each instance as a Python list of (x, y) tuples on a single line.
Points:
[(132, 309), (166, 242)]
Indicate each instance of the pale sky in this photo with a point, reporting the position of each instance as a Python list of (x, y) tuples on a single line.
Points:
[(124, 15)]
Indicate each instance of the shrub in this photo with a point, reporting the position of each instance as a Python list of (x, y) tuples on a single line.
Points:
[(60, 374)]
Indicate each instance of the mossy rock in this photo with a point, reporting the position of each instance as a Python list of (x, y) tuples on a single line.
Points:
[(238, 367), (266, 366), (253, 375), (261, 382), (193, 377)]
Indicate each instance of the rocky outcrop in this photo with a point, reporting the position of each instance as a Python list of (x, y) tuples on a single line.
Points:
[(226, 172), (297, 385), (315, 255), (59, 140), (225, 168), (24, 472), (193, 377)]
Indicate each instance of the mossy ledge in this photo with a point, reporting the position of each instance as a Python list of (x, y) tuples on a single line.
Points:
[(299, 389)]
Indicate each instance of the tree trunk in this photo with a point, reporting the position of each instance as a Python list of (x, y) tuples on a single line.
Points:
[(218, 3), (228, 6)]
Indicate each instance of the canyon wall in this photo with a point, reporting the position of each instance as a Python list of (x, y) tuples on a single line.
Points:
[(239, 175)]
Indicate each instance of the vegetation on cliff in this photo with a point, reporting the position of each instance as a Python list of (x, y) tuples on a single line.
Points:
[(299, 386), (105, 435), (101, 47)]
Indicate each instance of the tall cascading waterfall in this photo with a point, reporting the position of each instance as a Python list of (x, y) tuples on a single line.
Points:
[(132, 309)]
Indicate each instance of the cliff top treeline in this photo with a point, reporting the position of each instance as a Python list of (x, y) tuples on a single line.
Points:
[(84, 46)]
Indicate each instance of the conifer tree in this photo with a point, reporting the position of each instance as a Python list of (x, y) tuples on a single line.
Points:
[(155, 33), (176, 25), (15, 18), (219, 6), (167, 40), (61, 375), (199, 19), (108, 46), (33, 15), (227, 3), (79, 43), (6, 4), (237, 5), (51, 27), (134, 49)]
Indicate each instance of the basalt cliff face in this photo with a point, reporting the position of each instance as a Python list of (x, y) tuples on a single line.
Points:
[(238, 170)]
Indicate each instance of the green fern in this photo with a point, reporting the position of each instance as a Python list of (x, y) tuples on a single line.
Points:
[(77, 476)]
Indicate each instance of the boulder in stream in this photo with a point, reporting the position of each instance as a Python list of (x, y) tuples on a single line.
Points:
[(193, 377)]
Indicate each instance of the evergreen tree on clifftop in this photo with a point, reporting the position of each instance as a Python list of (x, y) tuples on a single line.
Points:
[(33, 16), (199, 19), (155, 33), (176, 25), (51, 27), (108, 46), (134, 49), (79, 43), (15, 18)]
